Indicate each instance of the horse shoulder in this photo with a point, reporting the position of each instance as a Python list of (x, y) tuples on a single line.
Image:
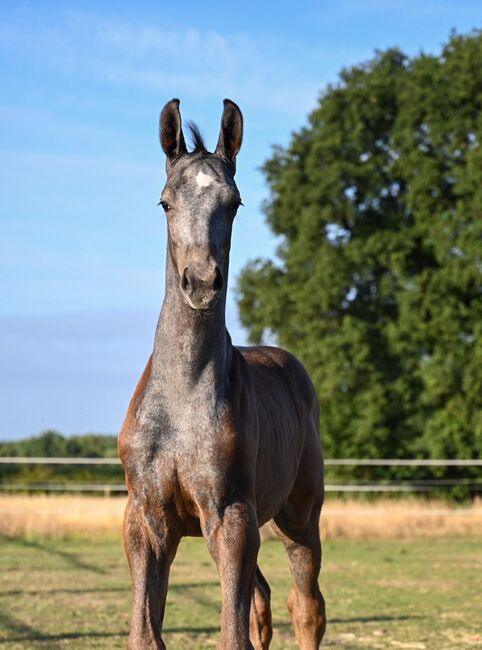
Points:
[(130, 420)]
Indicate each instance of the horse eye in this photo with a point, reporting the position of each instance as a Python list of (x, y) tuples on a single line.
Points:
[(165, 206)]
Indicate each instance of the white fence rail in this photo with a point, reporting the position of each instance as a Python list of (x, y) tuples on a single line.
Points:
[(31, 460), (388, 462), (394, 486), (399, 462)]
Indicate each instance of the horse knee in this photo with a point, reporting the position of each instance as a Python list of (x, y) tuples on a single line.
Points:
[(235, 531), (240, 519)]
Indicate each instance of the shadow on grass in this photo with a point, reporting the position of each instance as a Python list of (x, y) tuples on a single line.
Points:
[(375, 619), (48, 592), (358, 619), (103, 635), (17, 627), (93, 590), (286, 625), (21, 631), (64, 637), (192, 630), (70, 558), (193, 585), (26, 633), (190, 592)]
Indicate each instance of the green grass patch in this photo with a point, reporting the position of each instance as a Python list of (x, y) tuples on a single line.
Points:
[(75, 593)]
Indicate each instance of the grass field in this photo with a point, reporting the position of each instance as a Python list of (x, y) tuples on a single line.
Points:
[(74, 593)]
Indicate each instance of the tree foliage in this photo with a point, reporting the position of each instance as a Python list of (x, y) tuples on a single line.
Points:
[(51, 444), (377, 283)]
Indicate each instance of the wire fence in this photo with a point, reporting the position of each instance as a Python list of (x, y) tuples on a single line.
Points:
[(392, 462), (412, 485)]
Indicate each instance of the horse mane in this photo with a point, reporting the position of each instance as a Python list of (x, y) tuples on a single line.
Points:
[(197, 140)]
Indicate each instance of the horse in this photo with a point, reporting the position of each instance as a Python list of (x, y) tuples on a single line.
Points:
[(218, 439)]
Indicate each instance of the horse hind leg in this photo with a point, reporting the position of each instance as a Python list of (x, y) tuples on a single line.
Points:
[(260, 626), (306, 603)]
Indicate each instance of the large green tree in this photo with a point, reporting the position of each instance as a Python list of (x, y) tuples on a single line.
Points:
[(377, 282)]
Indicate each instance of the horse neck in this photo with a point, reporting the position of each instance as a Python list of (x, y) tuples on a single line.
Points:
[(192, 349)]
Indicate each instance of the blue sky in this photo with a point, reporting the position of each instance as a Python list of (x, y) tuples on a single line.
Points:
[(82, 242)]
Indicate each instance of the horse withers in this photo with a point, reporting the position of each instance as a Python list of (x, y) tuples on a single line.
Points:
[(217, 440)]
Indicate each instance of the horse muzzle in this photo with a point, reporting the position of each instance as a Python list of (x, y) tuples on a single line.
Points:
[(202, 289)]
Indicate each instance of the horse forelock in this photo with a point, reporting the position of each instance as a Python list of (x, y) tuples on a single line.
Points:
[(197, 139)]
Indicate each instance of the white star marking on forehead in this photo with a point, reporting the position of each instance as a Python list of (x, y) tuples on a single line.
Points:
[(203, 180)]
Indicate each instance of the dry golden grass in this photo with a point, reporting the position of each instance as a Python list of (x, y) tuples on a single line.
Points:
[(52, 516), (396, 519), (408, 518)]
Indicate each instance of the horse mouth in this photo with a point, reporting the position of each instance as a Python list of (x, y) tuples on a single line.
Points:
[(204, 303)]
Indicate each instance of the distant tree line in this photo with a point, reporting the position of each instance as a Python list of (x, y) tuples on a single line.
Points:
[(377, 280), (53, 444)]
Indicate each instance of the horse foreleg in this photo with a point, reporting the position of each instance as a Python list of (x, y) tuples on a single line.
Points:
[(150, 549), (261, 629), (232, 536)]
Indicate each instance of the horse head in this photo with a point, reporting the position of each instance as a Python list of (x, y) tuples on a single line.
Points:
[(200, 199)]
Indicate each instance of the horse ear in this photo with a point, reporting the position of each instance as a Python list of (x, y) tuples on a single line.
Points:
[(231, 134), (170, 131)]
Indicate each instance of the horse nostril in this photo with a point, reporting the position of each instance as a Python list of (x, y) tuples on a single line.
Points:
[(218, 280), (185, 282), (201, 290)]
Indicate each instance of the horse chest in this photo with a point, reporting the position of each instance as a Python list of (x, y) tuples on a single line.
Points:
[(178, 451)]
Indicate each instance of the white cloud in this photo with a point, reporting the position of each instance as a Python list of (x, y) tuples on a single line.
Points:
[(191, 62)]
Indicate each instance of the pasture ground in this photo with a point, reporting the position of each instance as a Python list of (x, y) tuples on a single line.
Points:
[(73, 592)]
